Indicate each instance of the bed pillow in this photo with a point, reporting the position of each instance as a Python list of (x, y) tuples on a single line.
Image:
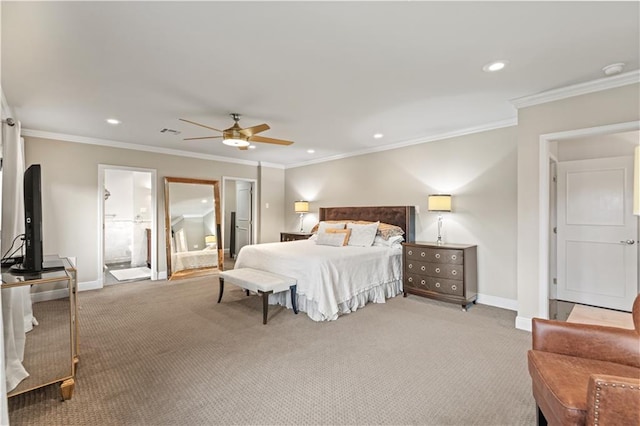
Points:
[(385, 230), (391, 242), (333, 237), (329, 224), (362, 235)]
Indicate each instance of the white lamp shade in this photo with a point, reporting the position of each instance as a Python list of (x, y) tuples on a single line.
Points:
[(301, 207), (210, 239), (439, 203), (636, 183)]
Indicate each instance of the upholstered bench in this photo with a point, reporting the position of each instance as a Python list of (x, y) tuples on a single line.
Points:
[(261, 282)]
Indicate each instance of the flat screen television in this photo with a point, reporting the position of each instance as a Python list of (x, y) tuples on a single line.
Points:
[(33, 260)]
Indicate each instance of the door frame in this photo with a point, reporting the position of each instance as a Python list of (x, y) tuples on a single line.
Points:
[(102, 168), (543, 198), (254, 206)]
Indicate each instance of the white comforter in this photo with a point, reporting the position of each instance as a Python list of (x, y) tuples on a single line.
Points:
[(194, 259), (331, 280)]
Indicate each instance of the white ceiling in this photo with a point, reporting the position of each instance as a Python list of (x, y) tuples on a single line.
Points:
[(327, 75)]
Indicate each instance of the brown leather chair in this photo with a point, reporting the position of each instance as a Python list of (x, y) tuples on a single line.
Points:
[(586, 374)]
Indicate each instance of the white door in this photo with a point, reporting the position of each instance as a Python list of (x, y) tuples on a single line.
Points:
[(243, 214), (597, 232)]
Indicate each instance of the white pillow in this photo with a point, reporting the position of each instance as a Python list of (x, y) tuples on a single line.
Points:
[(362, 235), (391, 242), (330, 239), (323, 226)]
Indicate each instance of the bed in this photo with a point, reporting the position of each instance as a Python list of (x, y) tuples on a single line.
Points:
[(333, 281), (194, 259)]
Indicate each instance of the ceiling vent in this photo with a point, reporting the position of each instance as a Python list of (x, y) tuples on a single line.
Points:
[(170, 131)]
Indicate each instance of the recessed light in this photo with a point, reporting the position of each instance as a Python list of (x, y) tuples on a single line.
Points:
[(251, 147), (378, 136), (311, 151), (495, 66), (113, 121)]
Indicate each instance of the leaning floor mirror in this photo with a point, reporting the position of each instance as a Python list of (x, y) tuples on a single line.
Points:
[(192, 223)]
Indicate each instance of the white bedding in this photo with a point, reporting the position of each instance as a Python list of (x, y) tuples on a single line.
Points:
[(331, 280), (194, 259)]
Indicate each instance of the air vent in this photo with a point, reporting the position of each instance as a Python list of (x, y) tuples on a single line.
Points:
[(170, 131)]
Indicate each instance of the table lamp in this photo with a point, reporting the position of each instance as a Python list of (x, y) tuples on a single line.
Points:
[(301, 207), (439, 203)]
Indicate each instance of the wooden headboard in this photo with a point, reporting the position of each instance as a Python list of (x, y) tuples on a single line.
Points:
[(402, 216)]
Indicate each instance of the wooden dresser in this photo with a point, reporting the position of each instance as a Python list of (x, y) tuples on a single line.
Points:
[(293, 236), (446, 272)]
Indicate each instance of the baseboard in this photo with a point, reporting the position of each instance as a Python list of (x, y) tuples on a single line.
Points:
[(43, 296), (90, 285), (498, 302), (162, 275), (523, 323)]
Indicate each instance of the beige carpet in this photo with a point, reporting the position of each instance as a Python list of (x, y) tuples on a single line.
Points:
[(164, 353)]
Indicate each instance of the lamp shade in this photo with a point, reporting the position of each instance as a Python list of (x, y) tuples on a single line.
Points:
[(439, 203), (301, 207), (210, 239), (636, 183)]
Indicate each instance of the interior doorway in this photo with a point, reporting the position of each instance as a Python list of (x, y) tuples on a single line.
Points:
[(128, 224), (239, 206)]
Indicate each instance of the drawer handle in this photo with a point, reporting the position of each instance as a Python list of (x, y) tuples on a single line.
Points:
[(422, 282), (437, 270), (422, 254), (438, 285), (410, 266), (410, 279), (454, 272), (454, 287), (410, 252), (423, 268), (437, 255), (454, 257)]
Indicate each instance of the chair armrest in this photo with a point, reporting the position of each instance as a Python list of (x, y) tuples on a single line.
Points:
[(612, 344), (613, 400)]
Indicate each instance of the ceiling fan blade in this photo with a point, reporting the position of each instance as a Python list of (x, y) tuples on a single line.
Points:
[(203, 137), (250, 131), (198, 124), (269, 140)]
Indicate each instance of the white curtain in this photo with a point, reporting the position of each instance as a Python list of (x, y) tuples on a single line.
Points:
[(17, 315)]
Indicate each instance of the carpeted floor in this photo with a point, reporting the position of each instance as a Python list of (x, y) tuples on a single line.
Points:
[(164, 353)]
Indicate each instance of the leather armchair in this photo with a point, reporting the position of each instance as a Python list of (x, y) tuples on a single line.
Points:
[(586, 374)]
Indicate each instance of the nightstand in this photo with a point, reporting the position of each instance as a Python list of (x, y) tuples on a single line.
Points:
[(447, 272), (293, 236)]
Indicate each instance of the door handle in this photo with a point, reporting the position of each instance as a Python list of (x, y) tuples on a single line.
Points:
[(630, 242)]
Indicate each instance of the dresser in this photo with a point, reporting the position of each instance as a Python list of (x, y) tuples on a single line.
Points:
[(293, 236), (446, 272)]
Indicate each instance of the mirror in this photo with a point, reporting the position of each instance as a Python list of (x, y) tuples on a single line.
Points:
[(192, 224)]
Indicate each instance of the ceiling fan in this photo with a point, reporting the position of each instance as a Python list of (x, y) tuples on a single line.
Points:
[(237, 136)]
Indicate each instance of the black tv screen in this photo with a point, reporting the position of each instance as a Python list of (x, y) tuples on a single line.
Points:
[(32, 259)]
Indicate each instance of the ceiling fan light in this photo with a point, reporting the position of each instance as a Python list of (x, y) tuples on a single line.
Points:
[(235, 142)]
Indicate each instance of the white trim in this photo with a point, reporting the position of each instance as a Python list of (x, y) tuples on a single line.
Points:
[(498, 302), (125, 145), (7, 111), (43, 296), (272, 165), (543, 200), (254, 206), (523, 323), (456, 133), (605, 83), (90, 285), (162, 275)]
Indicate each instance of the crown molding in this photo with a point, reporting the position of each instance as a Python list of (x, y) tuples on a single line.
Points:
[(137, 147), (605, 83), (272, 165), (461, 132)]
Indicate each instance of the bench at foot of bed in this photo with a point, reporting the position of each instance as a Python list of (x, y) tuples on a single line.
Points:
[(261, 282)]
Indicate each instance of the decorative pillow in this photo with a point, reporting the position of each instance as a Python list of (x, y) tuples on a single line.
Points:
[(335, 239), (391, 242), (362, 235), (345, 232), (329, 224), (385, 230)]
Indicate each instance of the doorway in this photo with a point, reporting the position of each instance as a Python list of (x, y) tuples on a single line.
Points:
[(561, 272), (127, 228), (239, 204)]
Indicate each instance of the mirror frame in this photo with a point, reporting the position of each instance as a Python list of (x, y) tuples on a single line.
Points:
[(167, 217)]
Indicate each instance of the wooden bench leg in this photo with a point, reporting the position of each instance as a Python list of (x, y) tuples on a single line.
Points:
[(294, 298), (265, 305), (221, 288)]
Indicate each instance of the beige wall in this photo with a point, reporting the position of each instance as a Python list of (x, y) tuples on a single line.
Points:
[(478, 169), (70, 193), (602, 108)]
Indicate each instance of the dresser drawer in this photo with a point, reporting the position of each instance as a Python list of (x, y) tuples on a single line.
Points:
[(443, 270), (436, 255), (438, 285)]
